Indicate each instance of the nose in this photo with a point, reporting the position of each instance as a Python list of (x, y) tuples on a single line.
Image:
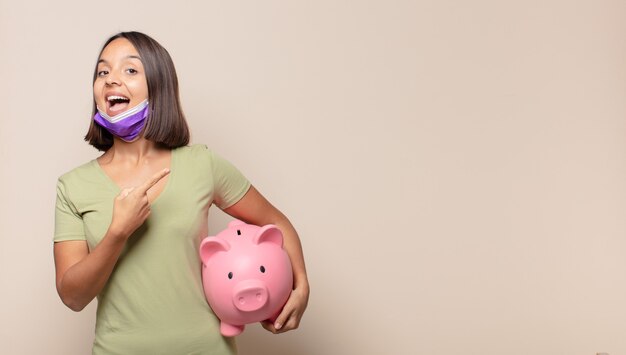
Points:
[(112, 79), (250, 295)]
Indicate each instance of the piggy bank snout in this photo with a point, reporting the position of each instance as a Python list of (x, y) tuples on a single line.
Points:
[(250, 295)]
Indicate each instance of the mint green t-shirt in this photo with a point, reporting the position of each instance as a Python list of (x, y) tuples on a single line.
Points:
[(153, 302)]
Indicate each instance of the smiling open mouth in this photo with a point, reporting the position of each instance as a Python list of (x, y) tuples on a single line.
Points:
[(116, 103)]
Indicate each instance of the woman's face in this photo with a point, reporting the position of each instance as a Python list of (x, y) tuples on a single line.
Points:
[(120, 79)]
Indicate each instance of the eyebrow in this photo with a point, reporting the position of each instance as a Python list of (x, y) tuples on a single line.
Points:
[(127, 57)]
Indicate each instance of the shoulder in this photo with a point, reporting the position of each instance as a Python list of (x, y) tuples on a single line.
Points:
[(199, 157), (81, 181), (193, 149), (82, 172), (196, 152)]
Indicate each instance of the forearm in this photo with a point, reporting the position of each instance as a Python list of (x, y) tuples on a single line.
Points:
[(82, 281), (293, 247), (81, 274), (255, 209), (293, 310)]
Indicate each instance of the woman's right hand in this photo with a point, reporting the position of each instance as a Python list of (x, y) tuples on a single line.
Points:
[(132, 207), (80, 273)]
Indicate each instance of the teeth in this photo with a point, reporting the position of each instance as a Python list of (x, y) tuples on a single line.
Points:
[(113, 97)]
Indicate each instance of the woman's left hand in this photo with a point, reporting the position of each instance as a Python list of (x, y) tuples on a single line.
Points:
[(289, 317)]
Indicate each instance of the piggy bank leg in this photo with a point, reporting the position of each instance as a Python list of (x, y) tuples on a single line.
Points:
[(229, 330)]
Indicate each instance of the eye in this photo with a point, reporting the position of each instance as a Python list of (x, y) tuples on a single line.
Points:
[(102, 73), (230, 275), (262, 269), (131, 71)]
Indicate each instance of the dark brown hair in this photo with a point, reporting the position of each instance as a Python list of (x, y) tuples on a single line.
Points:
[(166, 124)]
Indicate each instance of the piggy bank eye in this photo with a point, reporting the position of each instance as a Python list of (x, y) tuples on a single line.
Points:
[(262, 269), (230, 275)]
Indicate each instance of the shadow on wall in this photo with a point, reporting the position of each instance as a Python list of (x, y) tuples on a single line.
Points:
[(257, 341)]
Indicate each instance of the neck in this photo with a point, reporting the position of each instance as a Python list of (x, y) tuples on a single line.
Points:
[(133, 152)]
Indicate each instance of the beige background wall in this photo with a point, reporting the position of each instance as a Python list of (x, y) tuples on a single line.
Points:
[(456, 169)]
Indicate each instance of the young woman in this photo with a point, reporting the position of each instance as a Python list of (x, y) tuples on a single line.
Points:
[(129, 223)]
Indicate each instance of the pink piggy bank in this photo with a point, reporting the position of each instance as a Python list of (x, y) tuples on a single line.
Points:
[(246, 275)]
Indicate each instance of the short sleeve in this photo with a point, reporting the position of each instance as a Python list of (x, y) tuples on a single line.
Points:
[(68, 224), (229, 183)]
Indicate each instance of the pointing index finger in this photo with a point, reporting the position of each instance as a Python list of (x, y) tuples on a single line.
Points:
[(152, 181)]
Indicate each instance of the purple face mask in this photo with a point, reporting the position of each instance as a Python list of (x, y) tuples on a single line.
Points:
[(128, 124)]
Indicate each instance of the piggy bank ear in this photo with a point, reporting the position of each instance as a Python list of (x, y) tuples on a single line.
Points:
[(269, 234), (212, 245)]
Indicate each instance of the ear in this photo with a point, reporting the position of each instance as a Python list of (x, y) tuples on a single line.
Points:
[(269, 234), (212, 245)]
